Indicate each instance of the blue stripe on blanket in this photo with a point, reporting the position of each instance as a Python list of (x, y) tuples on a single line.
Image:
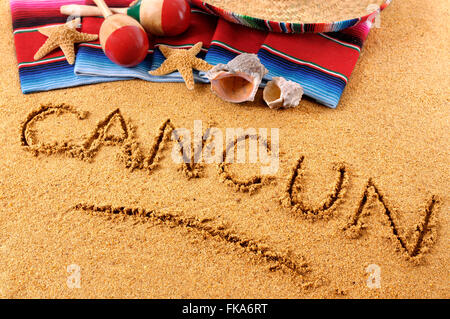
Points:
[(55, 75), (217, 54), (325, 89), (91, 61)]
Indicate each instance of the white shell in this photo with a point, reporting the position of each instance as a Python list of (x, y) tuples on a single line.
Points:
[(280, 93), (239, 80)]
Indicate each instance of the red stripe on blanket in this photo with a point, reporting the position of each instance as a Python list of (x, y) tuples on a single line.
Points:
[(228, 33), (28, 43), (92, 25), (316, 49)]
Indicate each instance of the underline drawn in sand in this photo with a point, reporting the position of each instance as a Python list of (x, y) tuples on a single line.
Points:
[(423, 235), (131, 154), (211, 228), (325, 209)]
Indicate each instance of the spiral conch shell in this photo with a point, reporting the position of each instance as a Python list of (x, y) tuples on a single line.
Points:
[(280, 93), (239, 80)]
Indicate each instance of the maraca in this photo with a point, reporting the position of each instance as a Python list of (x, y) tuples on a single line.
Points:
[(123, 39), (158, 17)]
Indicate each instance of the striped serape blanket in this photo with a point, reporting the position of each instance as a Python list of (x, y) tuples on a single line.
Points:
[(53, 71), (321, 62)]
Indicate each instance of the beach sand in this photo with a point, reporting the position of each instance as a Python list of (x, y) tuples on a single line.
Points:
[(200, 237)]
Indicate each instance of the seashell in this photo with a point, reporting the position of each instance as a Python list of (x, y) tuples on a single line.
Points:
[(239, 80), (280, 93)]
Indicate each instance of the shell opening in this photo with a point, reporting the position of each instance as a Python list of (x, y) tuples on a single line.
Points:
[(272, 92), (235, 87)]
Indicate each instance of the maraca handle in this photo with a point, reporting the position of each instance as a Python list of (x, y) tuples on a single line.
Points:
[(103, 8), (86, 11)]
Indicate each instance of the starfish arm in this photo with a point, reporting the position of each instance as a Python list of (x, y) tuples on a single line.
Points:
[(196, 48), (166, 51), (201, 65), (85, 37), (45, 49), (167, 67), (73, 23), (188, 76), (69, 52), (47, 31)]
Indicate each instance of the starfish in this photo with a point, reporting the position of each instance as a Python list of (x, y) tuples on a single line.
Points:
[(63, 36), (182, 61)]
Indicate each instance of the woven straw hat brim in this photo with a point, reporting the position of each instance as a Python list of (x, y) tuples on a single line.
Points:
[(295, 16)]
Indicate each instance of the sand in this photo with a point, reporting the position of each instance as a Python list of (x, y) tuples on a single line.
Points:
[(365, 184)]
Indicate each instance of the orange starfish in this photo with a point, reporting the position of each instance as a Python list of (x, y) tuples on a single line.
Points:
[(63, 36), (182, 61)]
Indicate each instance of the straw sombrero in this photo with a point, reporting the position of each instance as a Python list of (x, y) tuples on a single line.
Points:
[(295, 16)]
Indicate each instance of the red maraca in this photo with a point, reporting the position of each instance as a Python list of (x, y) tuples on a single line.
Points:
[(162, 17), (158, 17), (123, 39)]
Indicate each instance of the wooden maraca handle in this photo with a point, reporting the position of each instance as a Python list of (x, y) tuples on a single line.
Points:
[(106, 11), (158, 17), (87, 11)]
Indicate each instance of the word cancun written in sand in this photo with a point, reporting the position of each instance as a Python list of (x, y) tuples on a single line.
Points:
[(413, 243), (229, 309), (235, 152)]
